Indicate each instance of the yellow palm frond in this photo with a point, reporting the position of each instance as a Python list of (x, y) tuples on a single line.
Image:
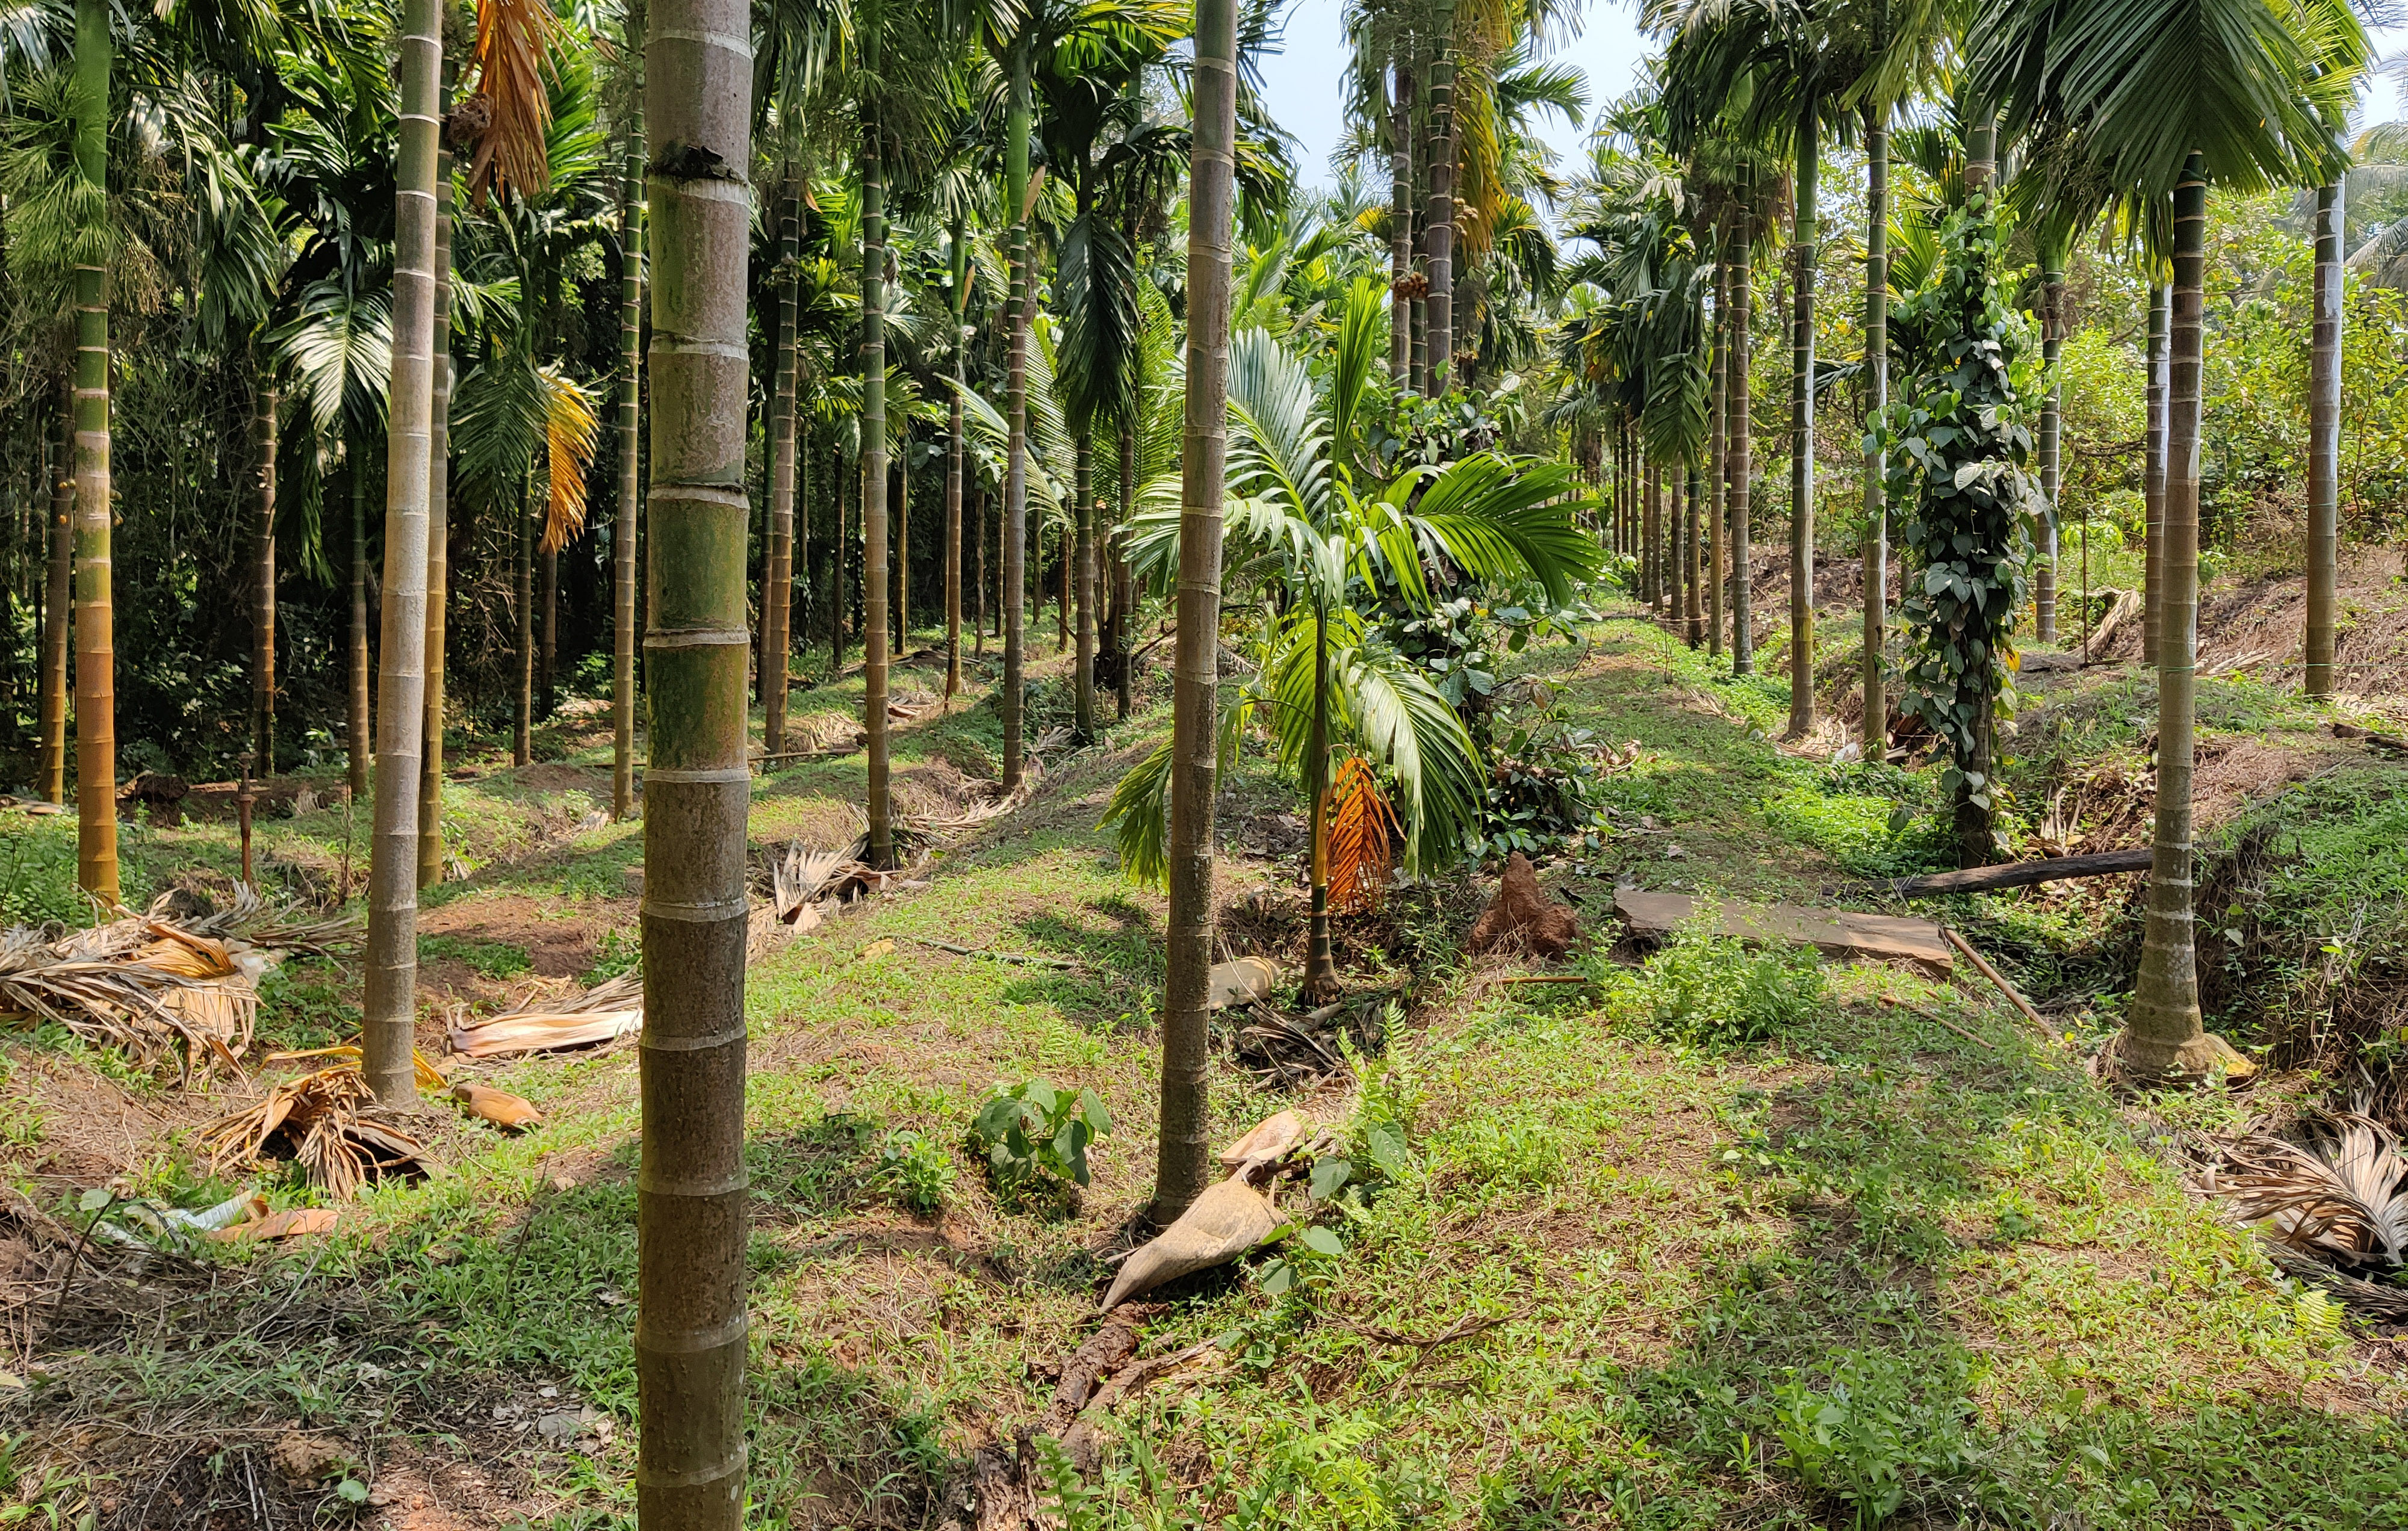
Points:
[(514, 39), (571, 429)]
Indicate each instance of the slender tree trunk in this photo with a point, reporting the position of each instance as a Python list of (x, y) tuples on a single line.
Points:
[(1082, 578), (1981, 153), (523, 715), (873, 461), (1801, 431), (1742, 428), (548, 640), (1693, 550), (1400, 225), (262, 586), (977, 503), (631, 511), (1019, 114), (389, 1011), (2153, 474), (95, 674), (1125, 588), (844, 486), (1187, 1115), (954, 441), (2323, 444), (777, 577), (1065, 550), (1441, 230), (1718, 443), (439, 540), (361, 743), (1320, 964), (902, 543), (58, 603), (691, 1214), (2052, 346), (2163, 1032), (1874, 731)]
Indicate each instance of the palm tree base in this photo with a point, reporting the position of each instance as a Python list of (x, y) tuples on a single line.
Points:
[(2205, 1058)]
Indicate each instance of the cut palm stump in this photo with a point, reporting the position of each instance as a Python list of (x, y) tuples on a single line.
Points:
[(1835, 932)]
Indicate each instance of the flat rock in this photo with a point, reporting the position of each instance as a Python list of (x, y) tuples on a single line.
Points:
[(1836, 933)]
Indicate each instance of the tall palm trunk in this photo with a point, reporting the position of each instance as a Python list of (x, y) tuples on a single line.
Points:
[(1019, 113), (901, 500), (873, 456), (1651, 566), (1320, 964), (1400, 225), (1802, 429), (1440, 230), (360, 744), (1693, 609), (1739, 404), (523, 573), (954, 447), (389, 1011), (2324, 443), (836, 571), (1080, 574), (95, 675), (547, 647), (263, 584), (2052, 346), (439, 540), (691, 1217), (778, 574), (1124, 597), (1717, 445), (624, 536), (1187, 1115), (57, 604), (1874, 731), (2153, 473), (2162, 1032), (978, 518)]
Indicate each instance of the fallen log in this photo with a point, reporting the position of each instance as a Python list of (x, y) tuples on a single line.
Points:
[(2022, 874), (1836, 933)]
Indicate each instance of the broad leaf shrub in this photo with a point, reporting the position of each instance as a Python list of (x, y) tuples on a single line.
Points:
[(1706, 989), (1034, 1134)]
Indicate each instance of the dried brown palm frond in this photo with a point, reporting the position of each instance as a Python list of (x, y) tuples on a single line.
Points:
[(803, 877), (2343, 1197), (244, 915), (514, 38), (328, 1122), (1363, 835), (90, 982), (571, 430), (604, 1013)]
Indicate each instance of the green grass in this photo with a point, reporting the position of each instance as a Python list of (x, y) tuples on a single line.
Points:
[(1724, 1240)]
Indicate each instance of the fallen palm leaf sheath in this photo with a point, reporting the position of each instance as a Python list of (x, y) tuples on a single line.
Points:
[(498, 1107), (603, 1014), (1228, 1219), (326, 1121)]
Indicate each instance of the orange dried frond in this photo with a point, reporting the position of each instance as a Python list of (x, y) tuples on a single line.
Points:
[(571, 429), (515, 40), (1362, 836)]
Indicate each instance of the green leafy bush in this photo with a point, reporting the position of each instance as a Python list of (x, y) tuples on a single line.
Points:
[(1884, 1431), (1034, 1132), (1706, 988), (916, 1169)]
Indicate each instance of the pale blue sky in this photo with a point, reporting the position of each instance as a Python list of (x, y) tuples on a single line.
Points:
[(1306, 82)]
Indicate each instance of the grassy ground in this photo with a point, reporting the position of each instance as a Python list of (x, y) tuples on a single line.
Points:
[(1718, 1240)]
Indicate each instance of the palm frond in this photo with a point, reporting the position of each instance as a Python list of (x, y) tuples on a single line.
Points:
[(514, 42), (1362, 836), (571, 430)]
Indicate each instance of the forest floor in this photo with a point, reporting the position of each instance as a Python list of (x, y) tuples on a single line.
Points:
[(1899, 1259)]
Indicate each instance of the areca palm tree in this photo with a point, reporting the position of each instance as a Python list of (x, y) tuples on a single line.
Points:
[(691, 1208), (1328, 681), (2167, 100)]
